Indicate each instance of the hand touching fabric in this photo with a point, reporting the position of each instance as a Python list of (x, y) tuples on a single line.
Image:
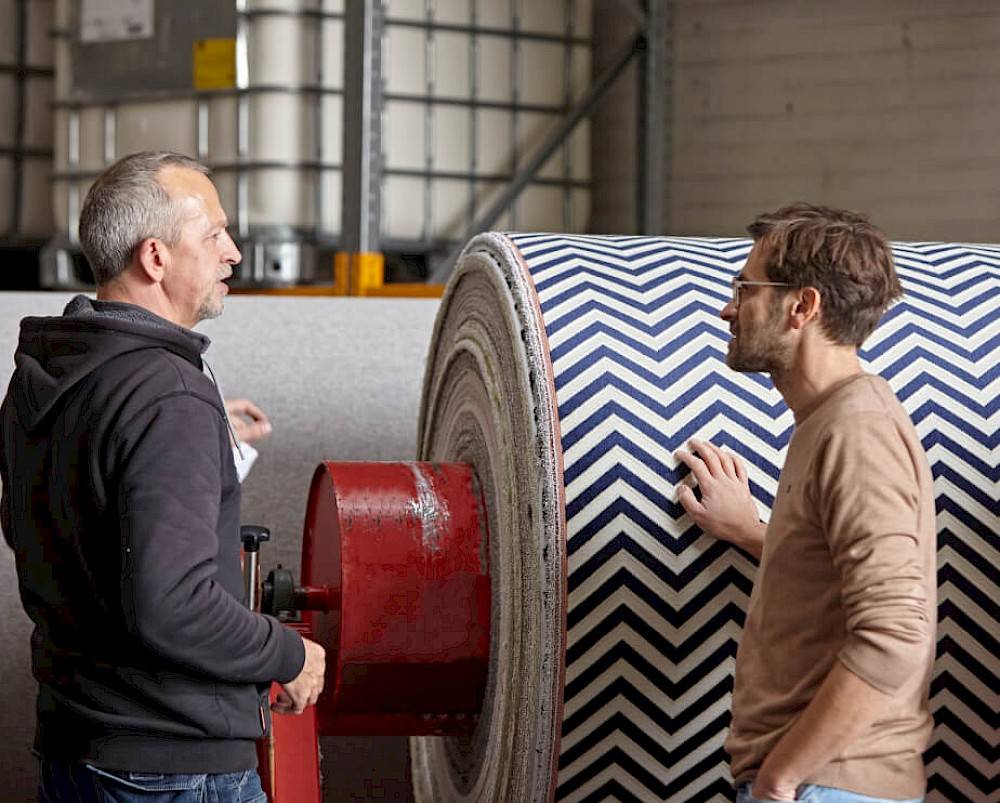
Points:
[(726, 509)]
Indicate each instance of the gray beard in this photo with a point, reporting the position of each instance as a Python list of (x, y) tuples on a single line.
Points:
[(207, 310)]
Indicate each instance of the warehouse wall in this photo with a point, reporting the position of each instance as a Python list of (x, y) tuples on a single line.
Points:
[(340, 379), (888, 107)]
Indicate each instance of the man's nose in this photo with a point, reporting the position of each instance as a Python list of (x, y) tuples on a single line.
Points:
[(233, 255), (728, 312)]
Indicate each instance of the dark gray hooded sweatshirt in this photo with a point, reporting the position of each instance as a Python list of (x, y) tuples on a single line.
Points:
[(121, 503)]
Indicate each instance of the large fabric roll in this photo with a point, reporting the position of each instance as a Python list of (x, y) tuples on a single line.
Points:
[(567, 370)]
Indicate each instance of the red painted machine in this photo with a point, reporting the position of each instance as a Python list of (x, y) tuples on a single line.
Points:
[(396, 587)]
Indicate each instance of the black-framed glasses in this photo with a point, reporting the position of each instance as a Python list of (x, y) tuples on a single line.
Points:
[(739, 284)]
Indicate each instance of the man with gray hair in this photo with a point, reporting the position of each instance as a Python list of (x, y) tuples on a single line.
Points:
[(121, 503)]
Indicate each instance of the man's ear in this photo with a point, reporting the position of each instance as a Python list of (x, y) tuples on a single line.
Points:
[(152, 256), (806, 307)]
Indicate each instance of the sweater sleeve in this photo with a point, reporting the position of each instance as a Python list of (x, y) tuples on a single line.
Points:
[(868, 493), (168, 495)]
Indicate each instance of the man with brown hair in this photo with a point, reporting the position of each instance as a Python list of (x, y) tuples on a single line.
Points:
[(830, 702)]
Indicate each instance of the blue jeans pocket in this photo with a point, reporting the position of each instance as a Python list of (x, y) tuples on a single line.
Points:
[(743, 796), (247, 781), (148, 781), (239, 787), (813, 793)]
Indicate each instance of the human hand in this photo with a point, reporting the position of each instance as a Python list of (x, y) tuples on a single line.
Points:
[(767, 788), (251, 430), (727, 509), (305, 689)]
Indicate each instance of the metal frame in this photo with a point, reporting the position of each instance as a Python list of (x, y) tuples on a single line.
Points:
[(242, 120), (362, 165), (485, 30), (515, 96), (652, 42), (362, 161), (429, 116), (473, 178), (19, 151), (429, 241), (273, 253), (19, 121), (653, 124), (543, 152), (567, 160)]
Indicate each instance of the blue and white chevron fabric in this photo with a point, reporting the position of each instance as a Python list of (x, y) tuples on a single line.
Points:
[(634, 351)]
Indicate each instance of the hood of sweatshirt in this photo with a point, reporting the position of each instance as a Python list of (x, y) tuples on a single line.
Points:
[(55, 353)]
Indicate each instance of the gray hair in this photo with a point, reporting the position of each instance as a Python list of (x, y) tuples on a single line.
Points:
[(126, 205)]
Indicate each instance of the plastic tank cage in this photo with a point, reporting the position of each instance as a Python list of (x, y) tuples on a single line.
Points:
[(470, 87), (25, 120), (256, 89)]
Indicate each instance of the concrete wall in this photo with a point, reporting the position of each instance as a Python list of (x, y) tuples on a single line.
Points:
[(340, 379), (887, 107)]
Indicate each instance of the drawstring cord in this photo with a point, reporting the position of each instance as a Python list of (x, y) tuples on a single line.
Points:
[(225, 411)]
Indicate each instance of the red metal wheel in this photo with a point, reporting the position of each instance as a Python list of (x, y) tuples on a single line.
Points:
[(395, 565)]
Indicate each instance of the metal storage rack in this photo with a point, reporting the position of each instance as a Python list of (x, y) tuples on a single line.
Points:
[(491, 146), (298, 88), (25, 139), (528, 163)]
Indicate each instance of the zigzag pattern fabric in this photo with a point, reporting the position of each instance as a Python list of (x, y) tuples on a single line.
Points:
[(655, 607)]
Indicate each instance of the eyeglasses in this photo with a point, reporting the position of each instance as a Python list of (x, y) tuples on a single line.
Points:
[(739, 284)]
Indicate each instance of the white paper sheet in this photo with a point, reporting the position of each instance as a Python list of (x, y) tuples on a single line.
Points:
[(114, 20)]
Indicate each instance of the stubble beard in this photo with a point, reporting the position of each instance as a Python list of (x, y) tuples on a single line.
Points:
[(760, 351), (211, 305)]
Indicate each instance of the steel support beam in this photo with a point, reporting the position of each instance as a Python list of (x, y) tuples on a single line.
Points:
[(654, 120), (20, 113), (362, 160), (636, 10), (542, 153)]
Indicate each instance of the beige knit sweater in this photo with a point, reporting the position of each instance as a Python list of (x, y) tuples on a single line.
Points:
[(847, 574)]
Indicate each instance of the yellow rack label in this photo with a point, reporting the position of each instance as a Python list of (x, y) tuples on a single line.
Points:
[(215, 64)]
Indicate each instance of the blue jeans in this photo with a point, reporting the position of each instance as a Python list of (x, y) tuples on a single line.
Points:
[(813, 793), (63, 782)]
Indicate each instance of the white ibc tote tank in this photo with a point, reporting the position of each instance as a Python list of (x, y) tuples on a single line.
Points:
[(25, 121), (468, 89), (252, 89)]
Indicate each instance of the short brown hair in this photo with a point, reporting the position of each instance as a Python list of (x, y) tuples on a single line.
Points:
[(838, 252)]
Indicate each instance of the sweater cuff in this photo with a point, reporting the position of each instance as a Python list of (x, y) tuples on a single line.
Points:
[(293, 654)]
